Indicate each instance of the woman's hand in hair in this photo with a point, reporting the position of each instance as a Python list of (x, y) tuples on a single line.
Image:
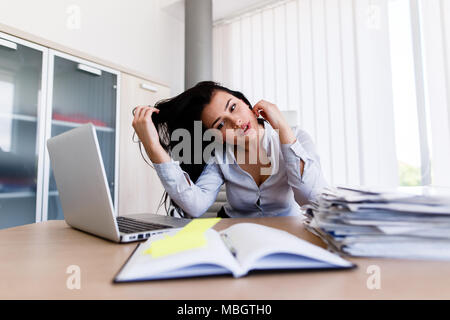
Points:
[(271, 113), (144, 126)]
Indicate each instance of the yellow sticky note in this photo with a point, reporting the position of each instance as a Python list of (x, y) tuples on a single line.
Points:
[(190, 237), (199, 225)]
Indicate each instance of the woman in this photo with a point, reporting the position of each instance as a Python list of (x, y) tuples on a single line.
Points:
[(285, 171)]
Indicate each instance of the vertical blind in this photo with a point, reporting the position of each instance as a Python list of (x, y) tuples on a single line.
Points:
[(329, 61), (435, 15)]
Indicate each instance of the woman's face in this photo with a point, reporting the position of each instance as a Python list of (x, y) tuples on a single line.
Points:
[(231, 116)]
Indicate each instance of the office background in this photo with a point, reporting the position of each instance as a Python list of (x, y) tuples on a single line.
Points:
[(368, 79)]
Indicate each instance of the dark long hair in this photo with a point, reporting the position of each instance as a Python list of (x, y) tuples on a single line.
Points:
[(181, 112)]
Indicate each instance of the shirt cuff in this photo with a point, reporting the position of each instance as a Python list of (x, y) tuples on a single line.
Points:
[(172, 176), (294, 151), (292, 154)]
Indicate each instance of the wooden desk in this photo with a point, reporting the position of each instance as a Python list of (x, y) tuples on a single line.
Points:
[(34, 259)]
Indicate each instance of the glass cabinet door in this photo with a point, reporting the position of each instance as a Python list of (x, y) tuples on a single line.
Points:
[(82, 93), (21, 82)]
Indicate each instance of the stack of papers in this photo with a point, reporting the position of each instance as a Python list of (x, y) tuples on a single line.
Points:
[(407, 222)]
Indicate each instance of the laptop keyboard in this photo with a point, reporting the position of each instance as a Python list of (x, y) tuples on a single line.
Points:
[(129, 225)]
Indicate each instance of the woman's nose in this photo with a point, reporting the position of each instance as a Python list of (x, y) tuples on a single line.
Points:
[(237, 123)]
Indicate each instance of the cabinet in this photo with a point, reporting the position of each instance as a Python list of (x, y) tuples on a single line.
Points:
[(140, 189), (80, 92), (44, 92), (22, 83)]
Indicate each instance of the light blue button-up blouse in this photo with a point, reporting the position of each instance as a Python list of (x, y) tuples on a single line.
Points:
[(279, 195)]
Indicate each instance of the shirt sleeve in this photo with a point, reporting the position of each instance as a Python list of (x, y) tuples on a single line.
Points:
[(192, 198), (306, 186)]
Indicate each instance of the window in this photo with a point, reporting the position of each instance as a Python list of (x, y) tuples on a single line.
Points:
[(405, 95), (369, 81)]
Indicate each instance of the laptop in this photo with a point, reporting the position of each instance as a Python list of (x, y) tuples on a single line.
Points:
[(85, 197)]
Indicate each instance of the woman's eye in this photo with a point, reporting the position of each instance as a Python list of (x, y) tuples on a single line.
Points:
[(233, 107), (220, 126)]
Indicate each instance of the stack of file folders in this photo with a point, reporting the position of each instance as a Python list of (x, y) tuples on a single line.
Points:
[(407, 222)]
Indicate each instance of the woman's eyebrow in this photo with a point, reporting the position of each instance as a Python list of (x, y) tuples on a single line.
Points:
[(226, 106)]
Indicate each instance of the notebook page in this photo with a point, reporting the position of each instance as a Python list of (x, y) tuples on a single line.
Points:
[(253, 242), (212, 259)]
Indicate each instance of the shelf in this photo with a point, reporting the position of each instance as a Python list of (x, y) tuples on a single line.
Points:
[(22, 117), (19, 194), (76, 124), (18, 117), (55, 122), (24, 194)]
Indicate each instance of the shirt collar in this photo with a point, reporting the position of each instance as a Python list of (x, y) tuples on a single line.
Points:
[(267, 137)]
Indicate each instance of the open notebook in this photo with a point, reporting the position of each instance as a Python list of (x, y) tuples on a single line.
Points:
[(236, 250)]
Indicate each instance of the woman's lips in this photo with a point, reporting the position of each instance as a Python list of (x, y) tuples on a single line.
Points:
[(246, 127)]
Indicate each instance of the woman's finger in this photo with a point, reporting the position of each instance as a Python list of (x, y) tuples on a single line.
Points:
[(258, 108), (149, 111), (261, 104), (137, 110), (142, 112)]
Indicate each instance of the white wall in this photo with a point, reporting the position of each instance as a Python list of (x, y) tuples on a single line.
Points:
[(138, 34)]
